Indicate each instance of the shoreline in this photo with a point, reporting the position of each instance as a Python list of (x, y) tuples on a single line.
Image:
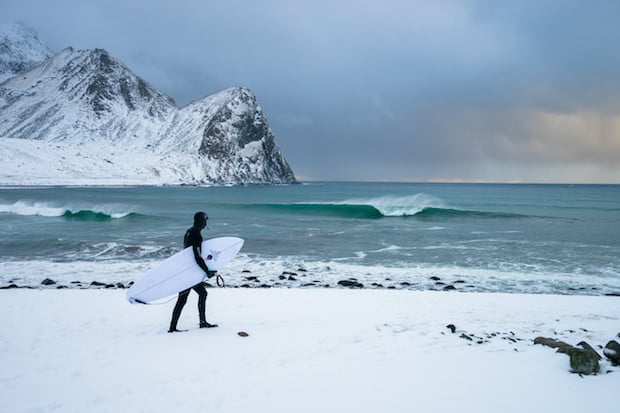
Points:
[(297, 279)]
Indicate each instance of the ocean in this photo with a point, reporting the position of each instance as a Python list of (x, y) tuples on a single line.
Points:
[(554, 239)]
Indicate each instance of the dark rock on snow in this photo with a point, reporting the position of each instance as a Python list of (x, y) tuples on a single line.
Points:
[(612, 352), (582, 360), (350, 284), (588, 347)]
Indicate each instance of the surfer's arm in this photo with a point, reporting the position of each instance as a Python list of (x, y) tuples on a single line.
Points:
[(201, 262)]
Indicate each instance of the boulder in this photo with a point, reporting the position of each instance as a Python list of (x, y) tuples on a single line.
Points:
[(47, 281), (550, 342), (588, 347), (582, 360), (350, 284), (612, 352)]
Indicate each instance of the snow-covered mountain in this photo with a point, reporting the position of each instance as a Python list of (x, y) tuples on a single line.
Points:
[(82, 117), (20, 50)]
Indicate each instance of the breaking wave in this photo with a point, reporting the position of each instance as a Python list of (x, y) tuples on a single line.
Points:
[(79, 213), (419, 205)]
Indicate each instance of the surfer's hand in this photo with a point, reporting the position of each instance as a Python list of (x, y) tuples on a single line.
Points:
[(211, 273)]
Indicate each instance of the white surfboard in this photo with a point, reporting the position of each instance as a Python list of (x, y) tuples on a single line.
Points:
[(181, 272)]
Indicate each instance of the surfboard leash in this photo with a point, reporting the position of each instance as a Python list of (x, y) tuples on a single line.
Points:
[(220, 281)]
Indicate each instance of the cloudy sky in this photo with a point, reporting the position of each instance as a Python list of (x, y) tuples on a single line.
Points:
[(412, 90)]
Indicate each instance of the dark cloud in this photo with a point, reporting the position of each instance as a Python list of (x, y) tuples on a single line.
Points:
[(384, 89)]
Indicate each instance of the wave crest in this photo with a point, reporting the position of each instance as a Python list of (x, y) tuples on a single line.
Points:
[(86, 213), (422, 206)]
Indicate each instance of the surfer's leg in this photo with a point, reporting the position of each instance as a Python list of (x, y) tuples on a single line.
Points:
[(202, 302), (176, 313), (202, 298)]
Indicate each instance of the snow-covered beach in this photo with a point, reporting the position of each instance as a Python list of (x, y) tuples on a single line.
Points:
[(308, 350)]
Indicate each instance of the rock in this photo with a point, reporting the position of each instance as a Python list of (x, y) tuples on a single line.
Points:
[(612, 352), (451, 327), (47, 281), (581, 361), (243, 334), (434, 278), (350, 284), (449, 288), (466, 337), (550, 342), (588, 347), (97, 284), (8, 287)]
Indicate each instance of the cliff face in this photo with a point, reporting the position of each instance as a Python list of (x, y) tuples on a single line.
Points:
[(82, 117)]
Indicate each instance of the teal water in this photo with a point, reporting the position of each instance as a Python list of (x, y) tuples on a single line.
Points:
[(480, 237)]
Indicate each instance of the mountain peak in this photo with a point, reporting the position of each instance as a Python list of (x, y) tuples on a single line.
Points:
[(20, 50)]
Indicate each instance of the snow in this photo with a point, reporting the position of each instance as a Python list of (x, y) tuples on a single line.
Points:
[(308, 350)]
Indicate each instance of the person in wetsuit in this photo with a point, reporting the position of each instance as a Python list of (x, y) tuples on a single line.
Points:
[(193, 238)]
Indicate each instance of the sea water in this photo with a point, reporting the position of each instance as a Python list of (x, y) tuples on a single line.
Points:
[(561, 239)]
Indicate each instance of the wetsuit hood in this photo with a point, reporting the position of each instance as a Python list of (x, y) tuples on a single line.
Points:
[(200, 220)]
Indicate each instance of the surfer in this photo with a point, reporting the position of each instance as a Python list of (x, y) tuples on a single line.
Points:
[(193, 238)]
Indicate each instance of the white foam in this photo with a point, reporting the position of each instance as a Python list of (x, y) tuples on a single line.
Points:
[(400, 206), (46, 209), (32, 208)]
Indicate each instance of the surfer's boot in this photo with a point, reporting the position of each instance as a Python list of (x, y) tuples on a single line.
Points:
[(205, 324), (176, 330)]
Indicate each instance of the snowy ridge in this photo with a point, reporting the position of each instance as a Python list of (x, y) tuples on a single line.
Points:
[(20, 50), (82, 117)]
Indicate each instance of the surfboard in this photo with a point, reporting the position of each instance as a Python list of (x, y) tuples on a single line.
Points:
[(180, 271)]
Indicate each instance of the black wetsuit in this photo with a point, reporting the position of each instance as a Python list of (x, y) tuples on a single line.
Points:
[(193, 239)]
